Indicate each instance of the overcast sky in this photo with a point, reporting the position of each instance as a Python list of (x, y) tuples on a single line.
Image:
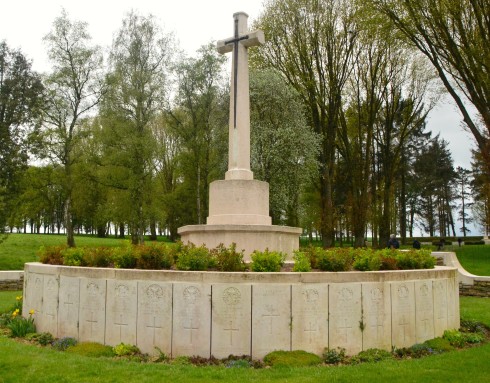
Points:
[(193, 22)]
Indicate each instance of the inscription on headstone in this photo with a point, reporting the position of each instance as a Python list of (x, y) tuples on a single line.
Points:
[(271, 318), (50, 305), (92, 310), (191, 320), (69, 306), (403, 314), (309, 322), (121, 312), (424, 314), (231, 330), (154, 327), (345, 317), (376, 304), (440, 306)]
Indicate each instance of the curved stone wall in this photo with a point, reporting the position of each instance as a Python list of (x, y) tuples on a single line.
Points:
[(219, 313)]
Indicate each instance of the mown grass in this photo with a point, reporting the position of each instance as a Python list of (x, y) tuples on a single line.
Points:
[(18, 249), (474, 258), (21, 362)]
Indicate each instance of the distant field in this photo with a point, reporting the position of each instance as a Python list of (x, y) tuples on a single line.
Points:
[(18, 249)]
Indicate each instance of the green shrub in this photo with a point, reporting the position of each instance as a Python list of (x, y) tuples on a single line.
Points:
[(474, 242), (371, 355), (124, 257), (152, 257), (454, 337), (439, 345), (388, 262), (63, 344), (227, 258), (97, 256), (334, 356), (297, 358), (415, 259), (123, 349), (313, 254), (473, 326), (301, 262), (194, 258), (73, 256), (267, 261), (367, 260), (182, 361), (51, 255), (92, 349), (336, 259), (44, 338)]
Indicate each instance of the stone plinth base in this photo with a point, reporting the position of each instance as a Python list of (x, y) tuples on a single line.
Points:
[(239, 202), (486, 240), (246, 237)]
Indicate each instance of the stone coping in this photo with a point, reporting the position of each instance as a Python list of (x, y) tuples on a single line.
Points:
[(451, 260), (243, 277), (240, 228), (11, 275)]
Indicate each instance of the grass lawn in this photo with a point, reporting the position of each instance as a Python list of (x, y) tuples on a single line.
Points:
[(18, 249), (474, 258), (27, 363)]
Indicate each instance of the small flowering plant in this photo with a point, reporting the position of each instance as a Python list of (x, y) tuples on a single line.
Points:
[(19, 326)]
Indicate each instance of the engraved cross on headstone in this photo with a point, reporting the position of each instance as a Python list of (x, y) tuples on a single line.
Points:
[(239, 126)]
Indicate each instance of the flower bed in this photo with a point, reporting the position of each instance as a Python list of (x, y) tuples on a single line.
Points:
[(192, 258)]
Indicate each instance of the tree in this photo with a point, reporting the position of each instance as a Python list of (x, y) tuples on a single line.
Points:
[(454, 36), (463, 182), (21, 97), (137, 89), (434, 169), (200, 123), (284, 148), (73, 89), (480, 186), (311, 43)]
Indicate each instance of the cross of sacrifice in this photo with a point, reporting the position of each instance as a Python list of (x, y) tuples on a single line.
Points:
[(239, 126)]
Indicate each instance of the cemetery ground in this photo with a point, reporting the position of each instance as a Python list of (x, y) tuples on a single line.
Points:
[(21, 361)]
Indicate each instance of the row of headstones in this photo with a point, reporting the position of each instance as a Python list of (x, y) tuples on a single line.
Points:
[(240, 319)]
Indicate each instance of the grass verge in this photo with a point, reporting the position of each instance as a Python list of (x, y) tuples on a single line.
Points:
[(26, 363), (474, 258)]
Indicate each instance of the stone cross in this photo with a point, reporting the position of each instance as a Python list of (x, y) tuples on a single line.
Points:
[(239, 125)]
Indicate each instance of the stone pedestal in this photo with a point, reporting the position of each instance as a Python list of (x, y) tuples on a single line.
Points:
[(246, 237), (239, 202), (486, 240)]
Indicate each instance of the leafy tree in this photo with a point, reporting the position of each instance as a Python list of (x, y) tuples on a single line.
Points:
[(74, 88), (40, 201), (434, 169), (137, 87), (463, 181), (453, 35), (480, 186), (21, 97), (284, 148), (200, 122), (311, 43)]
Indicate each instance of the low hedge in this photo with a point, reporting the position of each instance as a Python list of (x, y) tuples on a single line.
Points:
[(160, 256)]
